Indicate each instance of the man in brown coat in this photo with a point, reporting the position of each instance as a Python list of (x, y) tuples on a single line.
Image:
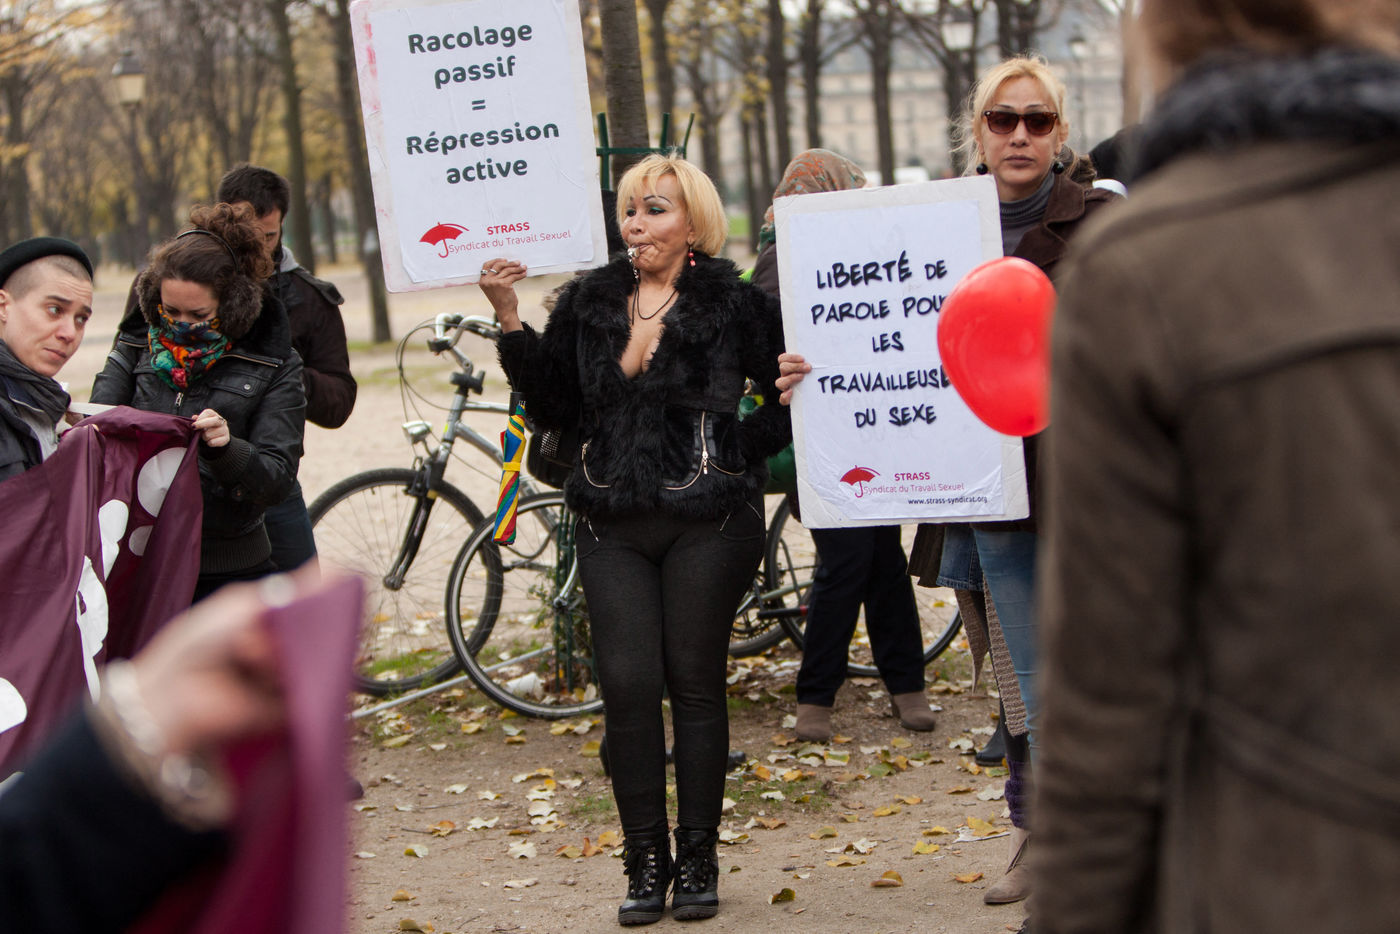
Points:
[(1221, 600)]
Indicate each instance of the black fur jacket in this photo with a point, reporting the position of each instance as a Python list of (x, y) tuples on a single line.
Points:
[(669, 439)]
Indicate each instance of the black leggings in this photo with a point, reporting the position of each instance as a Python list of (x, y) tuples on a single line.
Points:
[(661, 599)]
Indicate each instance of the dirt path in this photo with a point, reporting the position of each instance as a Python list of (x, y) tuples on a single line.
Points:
[(823, 822)]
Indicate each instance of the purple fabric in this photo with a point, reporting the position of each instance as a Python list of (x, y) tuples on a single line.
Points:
[(1018, 791), (289, 838), (101, 547)]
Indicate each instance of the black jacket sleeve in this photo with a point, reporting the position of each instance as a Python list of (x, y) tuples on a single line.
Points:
[(545, 367), (116, 383), (82, 848), (260, 462), (318, 334), (769, 429)]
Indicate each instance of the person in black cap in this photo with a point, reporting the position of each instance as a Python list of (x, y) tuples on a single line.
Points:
[(45, 304)]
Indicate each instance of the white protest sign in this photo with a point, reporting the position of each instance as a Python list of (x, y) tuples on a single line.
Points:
[(480, 137), (881, 435)]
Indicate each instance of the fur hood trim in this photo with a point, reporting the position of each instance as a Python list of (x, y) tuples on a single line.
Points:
[(239, 308), (1344, 95)]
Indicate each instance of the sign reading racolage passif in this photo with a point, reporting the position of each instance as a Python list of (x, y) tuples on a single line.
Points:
[(480, 137)]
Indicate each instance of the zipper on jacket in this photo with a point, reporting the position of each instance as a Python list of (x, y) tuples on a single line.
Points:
[(179, 398), (583, 459), (704, 459)]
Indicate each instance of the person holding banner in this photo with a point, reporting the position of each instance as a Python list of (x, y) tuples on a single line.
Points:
[(1220, 594), (647, 358), (859, 565), (45, 304), (215, 346)]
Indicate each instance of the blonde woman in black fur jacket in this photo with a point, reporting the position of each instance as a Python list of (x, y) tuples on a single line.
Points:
[(648, 357)]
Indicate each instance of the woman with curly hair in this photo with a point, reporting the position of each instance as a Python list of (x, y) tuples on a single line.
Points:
[(216, 348)]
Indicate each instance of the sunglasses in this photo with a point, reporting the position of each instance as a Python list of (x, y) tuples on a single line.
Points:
[(1002, 122)]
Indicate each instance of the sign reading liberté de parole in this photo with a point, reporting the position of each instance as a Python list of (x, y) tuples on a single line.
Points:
[(480, 137), (881, 435)]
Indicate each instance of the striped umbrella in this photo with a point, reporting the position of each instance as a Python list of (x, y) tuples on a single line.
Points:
[(512, 453)]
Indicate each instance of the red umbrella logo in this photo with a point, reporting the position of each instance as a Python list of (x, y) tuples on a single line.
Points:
[(441, 233), (858, 475)]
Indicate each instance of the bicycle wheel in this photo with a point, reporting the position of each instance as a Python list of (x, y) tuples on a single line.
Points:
[(365, 524), (791, 565), (756, 626), (516, 614)]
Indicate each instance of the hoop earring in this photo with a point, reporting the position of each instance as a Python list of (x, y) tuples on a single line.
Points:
[(981, 168)]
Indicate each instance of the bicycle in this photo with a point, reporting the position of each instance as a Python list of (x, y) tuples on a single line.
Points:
[(400, 528), (789, 567)]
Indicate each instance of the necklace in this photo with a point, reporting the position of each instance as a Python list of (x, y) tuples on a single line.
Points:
[(637, 305)]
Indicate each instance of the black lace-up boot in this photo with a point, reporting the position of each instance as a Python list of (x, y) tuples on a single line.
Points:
[(697, 875), (646, 858)]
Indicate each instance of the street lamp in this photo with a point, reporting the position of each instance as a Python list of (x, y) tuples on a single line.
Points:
[(1079, 52), (130, 82), (958, 73)]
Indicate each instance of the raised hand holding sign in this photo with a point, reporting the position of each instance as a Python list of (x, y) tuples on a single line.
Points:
[(994, 339)]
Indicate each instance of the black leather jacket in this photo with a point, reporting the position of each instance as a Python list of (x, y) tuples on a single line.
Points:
[(257, 387), (670, 439)]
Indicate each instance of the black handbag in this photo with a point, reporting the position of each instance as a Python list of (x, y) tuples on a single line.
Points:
[(551, 455)]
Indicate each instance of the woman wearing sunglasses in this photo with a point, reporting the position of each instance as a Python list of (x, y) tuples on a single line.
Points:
[(1015, 131)]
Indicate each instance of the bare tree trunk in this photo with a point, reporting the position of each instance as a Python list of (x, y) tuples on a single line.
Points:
[(323, 207), (811, 63), (300, 212), (17, 171), (1017, 26), (757, 203), (663, 72), (366, 232), (778, 84), (622, 78), (877, 20)]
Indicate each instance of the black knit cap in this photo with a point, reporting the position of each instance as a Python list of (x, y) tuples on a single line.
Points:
[(27, 251)]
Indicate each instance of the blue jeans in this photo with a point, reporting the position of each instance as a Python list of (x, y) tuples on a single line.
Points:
[(1008, 562), (289, 530)]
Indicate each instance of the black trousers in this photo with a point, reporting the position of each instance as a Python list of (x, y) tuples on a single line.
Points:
[(864, 565), (661, 594)]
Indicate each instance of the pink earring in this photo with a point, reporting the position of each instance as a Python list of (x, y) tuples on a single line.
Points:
[(690, 254)]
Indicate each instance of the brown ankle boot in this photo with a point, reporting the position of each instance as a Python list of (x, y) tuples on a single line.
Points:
[(813, 723), (913, 711), (1016, 884)]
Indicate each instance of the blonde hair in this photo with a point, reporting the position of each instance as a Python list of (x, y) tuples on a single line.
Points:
[(1020, 66), (1180, 31), (703, 207)]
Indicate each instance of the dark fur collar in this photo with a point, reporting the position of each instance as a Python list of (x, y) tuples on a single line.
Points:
[(1344, 95)]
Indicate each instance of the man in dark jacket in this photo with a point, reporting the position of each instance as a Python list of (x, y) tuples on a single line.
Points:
[(45, 303)]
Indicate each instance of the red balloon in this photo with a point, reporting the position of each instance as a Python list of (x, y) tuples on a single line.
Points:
[(994, 337)]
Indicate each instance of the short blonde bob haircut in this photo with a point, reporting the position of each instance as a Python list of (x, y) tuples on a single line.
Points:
[(701, 201), (971, 128)]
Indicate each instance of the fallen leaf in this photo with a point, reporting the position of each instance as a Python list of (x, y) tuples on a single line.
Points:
[(840, 861), (730, 837), (416, 851), (880, 769), (887, 810), (471, 727), (487, 795), (936, 831), (982, 828), (540, 809), (838, 738), (795, 775), (960, 790), (589, 849), (923, 847), (402, 895), (862, 846), (442, 828), (909, 799), (850, 818), (966, 877), (455, 789), (727, 805), (364, 854), (482, 823), (901, 742), (837, 758), (525, 849), (762, 773), (540, 793), (790, 722), (991, 793), (437, 747), (510, 729), (408, 924), (394, 742), (888, 880), (516, 740), (769, 823), (589, 750), (773, 796), (962, 744), (779, 740), (609, 838), (559, 728), (365, 807), (569, 851), (518, 883), (823, 833), (782, 895)]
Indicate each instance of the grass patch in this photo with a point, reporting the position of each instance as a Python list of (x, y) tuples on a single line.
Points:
[(595, 809)]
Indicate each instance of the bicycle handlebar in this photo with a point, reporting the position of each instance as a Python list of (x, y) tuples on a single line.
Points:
[(459, 324)]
